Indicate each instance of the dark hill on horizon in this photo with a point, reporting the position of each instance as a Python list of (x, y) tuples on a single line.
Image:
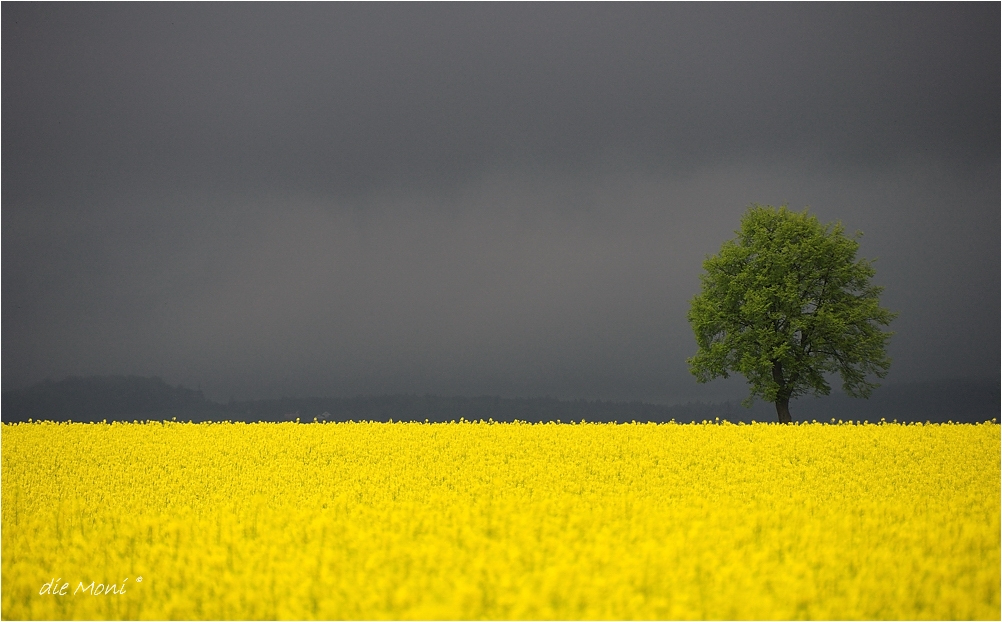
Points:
[(129, 398)]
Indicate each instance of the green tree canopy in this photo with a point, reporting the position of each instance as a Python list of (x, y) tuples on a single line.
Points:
[(785, 303)]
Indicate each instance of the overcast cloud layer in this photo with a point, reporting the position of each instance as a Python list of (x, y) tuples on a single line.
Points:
[(336, 199)]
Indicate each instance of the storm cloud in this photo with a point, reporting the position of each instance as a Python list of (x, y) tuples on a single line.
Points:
[(341, 199)]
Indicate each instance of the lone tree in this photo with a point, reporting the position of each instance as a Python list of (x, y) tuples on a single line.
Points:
[(785, 303)]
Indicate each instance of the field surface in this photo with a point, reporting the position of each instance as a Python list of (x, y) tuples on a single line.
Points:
[(500, 521)]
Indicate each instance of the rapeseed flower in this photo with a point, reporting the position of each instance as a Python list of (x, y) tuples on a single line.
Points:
[(501, 521)]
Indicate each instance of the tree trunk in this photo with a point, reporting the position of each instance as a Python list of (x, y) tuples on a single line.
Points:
[(783, 396), (783, 409)]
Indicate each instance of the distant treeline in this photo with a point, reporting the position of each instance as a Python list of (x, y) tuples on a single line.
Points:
[(436, 409), (129, 398), (94, 398)]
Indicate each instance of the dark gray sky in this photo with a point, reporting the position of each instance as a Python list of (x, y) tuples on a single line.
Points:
[(335, 199)]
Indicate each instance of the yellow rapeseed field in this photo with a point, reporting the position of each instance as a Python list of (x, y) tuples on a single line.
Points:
[(500, 521)]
